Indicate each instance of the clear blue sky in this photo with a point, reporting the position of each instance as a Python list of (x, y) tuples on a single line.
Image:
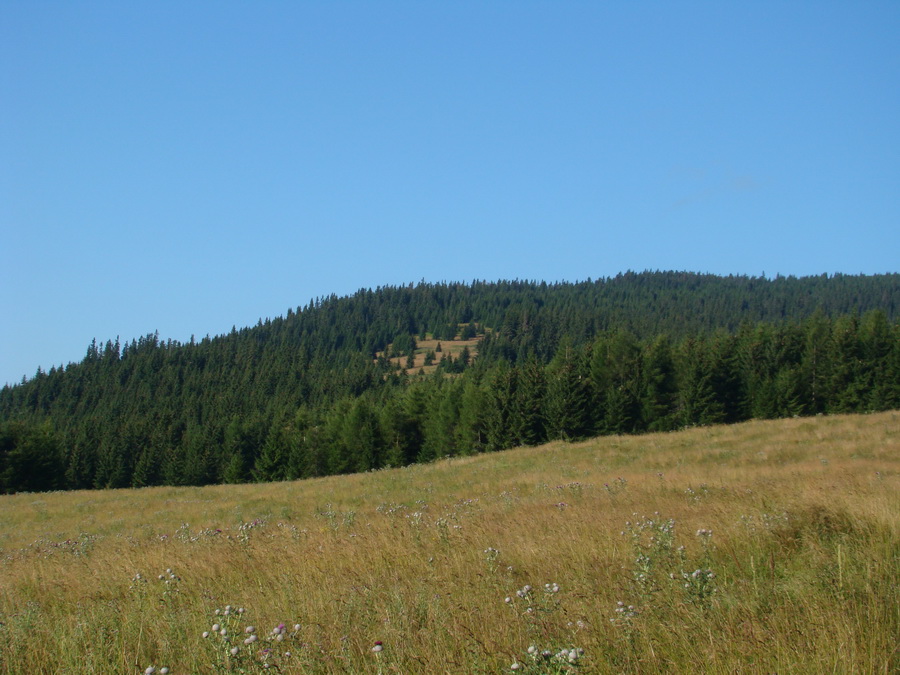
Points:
[(189, 166)]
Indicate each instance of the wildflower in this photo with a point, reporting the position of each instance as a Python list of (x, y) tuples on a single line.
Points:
[(234, 651), (515, 666), (296, 626), (249, 629), (250, 640), (150, 670), (216, 628), (205, 634), (378, 646)]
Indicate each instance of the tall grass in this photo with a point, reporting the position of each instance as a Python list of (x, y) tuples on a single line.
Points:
[(761, 547)]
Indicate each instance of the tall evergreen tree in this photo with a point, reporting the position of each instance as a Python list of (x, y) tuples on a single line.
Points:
[(441, 421), (876, 343), (361, 436), (696, 402), (500, 387), (472, 429), (848, 385), (616, 377), (815, 365), (659, 390), (30, 458), (272, 462), (566, 402), (528, 414)]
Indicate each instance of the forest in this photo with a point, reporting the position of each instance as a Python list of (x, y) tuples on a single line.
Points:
[(319, 390)]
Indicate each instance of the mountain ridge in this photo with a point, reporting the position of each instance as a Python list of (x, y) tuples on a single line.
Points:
[(314, 392)]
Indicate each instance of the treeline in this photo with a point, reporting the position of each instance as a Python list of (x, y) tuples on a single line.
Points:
[(312, 394), (612, 385)]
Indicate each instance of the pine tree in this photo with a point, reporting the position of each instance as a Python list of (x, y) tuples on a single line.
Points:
[(567, 396), (876, 342), (471, 432), (660, 387), (815, 365), (696, 402), (500, 388), (271, 464), (198, 464), (361, 436), (848, 385), (616, 381), (30, 458), (441, 421), (528, 413)]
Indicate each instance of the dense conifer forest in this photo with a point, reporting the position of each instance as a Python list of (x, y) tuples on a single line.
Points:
[(326, 389)]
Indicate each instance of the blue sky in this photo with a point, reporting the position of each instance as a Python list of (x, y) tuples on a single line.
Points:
[(185, 167)]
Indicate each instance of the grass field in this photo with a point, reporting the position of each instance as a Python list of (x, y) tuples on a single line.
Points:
[(764, 547), (451, 348)]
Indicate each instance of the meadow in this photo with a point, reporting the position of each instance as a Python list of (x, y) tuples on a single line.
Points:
[(763, 547)]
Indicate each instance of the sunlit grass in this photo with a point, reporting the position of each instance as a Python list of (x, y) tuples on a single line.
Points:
[(804, 551)]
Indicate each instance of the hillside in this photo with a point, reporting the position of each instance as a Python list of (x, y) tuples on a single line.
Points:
[(767, 546), (341, 385)]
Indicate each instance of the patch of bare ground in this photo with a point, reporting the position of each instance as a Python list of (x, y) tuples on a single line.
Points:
[(438, 351)]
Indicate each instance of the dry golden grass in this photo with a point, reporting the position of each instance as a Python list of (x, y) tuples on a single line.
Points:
[(805, 551), (448, 347)]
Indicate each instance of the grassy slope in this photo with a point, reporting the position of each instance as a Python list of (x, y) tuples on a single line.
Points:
[(805, 550), (423, 346)]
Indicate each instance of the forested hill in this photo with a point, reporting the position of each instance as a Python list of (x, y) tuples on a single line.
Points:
[(326, 388)]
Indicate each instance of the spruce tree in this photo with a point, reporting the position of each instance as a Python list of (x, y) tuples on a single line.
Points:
[(471, 432), (659, 390), (500, 387), (566, 403), (528, 414)]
